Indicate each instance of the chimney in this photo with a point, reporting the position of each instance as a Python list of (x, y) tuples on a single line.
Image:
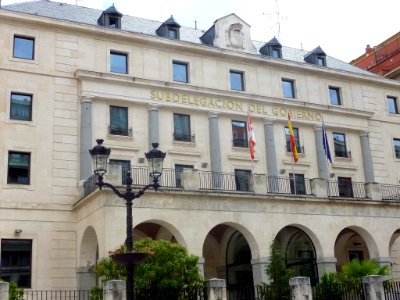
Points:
[(368, 49)]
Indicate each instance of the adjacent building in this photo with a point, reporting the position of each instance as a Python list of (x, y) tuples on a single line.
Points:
[(71, 74), (383, 59)]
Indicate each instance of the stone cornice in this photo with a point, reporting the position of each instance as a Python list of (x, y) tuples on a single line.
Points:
[(245, 97)]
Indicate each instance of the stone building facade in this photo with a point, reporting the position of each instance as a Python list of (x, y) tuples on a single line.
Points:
[(70, 74)]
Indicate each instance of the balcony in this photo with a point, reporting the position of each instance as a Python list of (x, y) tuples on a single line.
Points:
[(259, 184), (184, 137), (119, 131)]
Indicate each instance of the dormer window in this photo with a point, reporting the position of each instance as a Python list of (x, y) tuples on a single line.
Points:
[(316, 57), (113, 22), (321, 61), (172, 33), (272, 48), (169, 29), (276, 52), (110, 18)]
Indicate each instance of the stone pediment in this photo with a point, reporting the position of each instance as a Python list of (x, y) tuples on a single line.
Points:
[(231, 32)]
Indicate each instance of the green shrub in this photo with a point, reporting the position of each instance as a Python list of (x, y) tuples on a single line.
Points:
[(328, 288), (14, 292)]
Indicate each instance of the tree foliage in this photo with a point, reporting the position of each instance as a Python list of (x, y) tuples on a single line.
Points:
[(169, 267), (277, 271)]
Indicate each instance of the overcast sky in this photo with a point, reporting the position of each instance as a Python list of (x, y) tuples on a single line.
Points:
[(341, 27)]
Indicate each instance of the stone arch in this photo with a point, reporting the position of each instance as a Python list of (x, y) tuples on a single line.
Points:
[(313, 237), (354, 242), (227, 251), (88, 257), (88, 254), (299, 250), (394, 252), (158, 229)]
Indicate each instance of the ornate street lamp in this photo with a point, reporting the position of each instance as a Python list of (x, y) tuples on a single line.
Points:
[(155, 159)]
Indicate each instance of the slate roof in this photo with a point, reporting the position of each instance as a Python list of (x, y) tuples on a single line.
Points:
[(89, 16)]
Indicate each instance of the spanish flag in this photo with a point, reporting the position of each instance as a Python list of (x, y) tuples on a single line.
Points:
[(292, 141)]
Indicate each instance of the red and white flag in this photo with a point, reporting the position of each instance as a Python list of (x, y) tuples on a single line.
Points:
[(251, 135)]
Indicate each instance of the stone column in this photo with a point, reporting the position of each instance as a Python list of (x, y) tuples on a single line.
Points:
[(215, 150), (86, 137), (259, 273), (114, 290), (323, 171), (153, 125), (270, 151), (326, 265), (373, 287), (216, 289), (4, 290), (200, 265), (367, 158), (300, 288)]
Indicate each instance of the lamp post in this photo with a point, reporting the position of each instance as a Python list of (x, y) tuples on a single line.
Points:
[(155, 159)]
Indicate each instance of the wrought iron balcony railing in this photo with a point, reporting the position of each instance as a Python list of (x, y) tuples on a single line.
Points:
[(119, 131), (184, 137), (230, 182)]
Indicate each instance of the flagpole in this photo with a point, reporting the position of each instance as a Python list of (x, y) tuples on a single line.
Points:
[(325, 141), (294, 175)]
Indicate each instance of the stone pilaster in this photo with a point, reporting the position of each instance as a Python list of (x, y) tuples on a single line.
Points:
[(319, 187), (114, 290), (373, 287), (270, 151), (323, 171), (215, 149), (259, 273), (216, 289), (326, 265), (153, 125), (367, 158), (300, 288), (86, 137)]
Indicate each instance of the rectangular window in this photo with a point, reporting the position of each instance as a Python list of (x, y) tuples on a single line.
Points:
[(178, 173), (239, 131), (21, 107), (243, 180), (296, 139), (172, 33), (396, 144), (288, 88), (300, 184), (345, 187), (276, 52), (16, 261), (334, 96), (118, 62), (125, 167), (237, 80), (24, 47), (339, 140), (392, 105), (18, 167), (180, 72), (182, 128), (321, 61), (119, 121)]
